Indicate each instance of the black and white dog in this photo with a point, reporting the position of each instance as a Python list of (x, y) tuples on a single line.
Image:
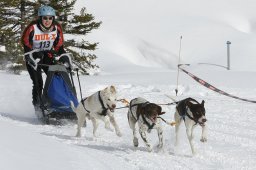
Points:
[(146, 114), (192, 113)]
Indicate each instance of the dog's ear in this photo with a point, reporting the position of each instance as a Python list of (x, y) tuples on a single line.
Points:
[(140, 110), (161, 113), (202, 103), (106, 89), (159, 110), (189, 104), (112, 89)]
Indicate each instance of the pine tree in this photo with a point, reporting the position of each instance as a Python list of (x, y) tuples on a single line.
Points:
[(16, 14)]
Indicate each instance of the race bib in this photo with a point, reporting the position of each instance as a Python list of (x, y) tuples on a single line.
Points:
[(43, 41)]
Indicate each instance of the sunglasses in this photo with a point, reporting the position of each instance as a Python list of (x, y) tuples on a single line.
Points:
[(47, 18)]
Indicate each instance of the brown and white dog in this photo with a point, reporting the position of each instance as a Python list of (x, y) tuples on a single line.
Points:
[(146, 114), (100, 105), (192, 113)]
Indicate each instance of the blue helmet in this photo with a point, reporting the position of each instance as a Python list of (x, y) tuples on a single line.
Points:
[(46, 11)]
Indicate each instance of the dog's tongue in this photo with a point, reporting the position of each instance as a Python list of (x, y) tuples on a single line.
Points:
[(153, 119), (202, 124)]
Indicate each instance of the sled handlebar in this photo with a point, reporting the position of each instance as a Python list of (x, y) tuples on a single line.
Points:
[(30, 59), (65, 59)]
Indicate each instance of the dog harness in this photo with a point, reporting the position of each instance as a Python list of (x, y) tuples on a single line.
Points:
[(147, 123), (183, 109), (82, 101), (135, 115), (104, 110)]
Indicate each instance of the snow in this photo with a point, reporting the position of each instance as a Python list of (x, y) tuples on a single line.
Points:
[(2, 48), (138, 53)]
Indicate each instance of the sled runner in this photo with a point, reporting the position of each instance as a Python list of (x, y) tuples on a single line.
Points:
[(58, 90)]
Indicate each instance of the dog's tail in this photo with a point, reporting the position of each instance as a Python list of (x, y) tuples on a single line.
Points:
[(168, 123), (124, 101), (72, 105)]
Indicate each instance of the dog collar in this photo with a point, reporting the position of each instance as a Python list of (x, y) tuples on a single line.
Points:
[(147, 123)]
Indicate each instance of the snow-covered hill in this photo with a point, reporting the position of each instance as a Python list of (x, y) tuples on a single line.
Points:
[(148, 31)]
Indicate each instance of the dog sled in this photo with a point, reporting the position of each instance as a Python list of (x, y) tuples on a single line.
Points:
[(58, 90)]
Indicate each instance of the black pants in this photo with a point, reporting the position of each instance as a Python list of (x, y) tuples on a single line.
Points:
[(37, 80)]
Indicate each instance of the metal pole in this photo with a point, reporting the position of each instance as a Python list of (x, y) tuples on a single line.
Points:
[(228, 55), (176, 90)]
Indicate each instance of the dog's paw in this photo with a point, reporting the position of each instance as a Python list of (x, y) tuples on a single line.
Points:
[(96, 135), (119, 134), (159, 146), (203, 139), (149, 148), (135, 142), (107, 126), (78, 136)]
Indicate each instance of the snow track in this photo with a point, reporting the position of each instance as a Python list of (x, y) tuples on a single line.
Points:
[(231, 135)]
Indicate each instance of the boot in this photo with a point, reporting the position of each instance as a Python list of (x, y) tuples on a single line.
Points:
[(38, 111)]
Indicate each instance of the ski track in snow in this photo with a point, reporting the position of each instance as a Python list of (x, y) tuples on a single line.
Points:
[(231, 133)]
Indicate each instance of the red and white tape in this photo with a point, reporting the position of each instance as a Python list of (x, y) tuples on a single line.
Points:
[(209, 86)]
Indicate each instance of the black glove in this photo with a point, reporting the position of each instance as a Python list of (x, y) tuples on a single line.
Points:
[(65, 60), (38, 54)]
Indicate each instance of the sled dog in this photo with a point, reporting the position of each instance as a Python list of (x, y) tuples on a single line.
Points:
[(192, 113), (146, 115), (100, 105)]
